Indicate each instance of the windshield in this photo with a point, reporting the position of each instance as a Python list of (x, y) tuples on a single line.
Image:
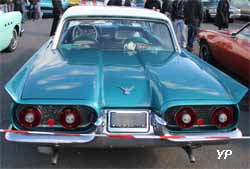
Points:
[(116, 34)]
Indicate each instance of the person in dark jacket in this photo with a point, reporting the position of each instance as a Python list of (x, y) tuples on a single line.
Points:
[(3, 5), (57, 12), (166, 8), (153, 4), (119, 3), (222, 15), (177, 15), (193, 12), (10, 5), (18, 5)]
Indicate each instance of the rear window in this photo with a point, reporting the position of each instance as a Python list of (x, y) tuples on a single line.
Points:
[(116, 34)]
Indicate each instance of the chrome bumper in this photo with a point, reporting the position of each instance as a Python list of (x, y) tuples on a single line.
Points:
[(235, 16), (232, 16), (101, 141)]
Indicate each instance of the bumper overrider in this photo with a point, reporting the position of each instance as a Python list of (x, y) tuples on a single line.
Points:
[(157, 135)]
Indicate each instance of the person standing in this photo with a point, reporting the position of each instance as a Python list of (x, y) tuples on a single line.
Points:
[(166, 8), (178, 20), (57, 12), (153, 4), (3, 5), (18, 5), (10, 5), (222, 15), (24, 4), (193, 12), (119, 3)]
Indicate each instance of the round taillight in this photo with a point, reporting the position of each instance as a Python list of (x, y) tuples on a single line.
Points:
[(29, 117), (185, 118), (70, 118), (222, 117)]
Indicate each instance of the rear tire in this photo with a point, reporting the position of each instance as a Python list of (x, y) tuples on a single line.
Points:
[(205, 53), (14, 41)]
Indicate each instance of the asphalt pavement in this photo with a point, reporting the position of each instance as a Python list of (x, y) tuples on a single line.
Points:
[(25, 155)]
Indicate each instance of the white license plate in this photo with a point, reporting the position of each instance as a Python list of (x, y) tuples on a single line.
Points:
[(128, 121)]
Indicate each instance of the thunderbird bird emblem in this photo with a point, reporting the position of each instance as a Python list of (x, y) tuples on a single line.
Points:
[(127, 90)]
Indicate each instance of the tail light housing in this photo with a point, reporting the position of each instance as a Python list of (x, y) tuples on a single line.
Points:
[(186, 118), (29, 117), (70, 118), (222, 117)]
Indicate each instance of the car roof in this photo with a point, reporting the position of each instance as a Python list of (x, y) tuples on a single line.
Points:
[(113, 11)]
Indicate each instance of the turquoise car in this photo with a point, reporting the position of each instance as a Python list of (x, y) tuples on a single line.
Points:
[(116, 77), (47, 7), (10, 30)]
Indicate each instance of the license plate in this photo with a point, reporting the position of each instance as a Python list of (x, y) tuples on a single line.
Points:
[(128, 121)]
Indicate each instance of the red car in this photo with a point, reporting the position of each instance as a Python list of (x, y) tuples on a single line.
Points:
[(230, 49)]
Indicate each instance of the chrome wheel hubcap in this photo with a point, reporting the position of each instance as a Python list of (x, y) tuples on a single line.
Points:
[(14, 40)]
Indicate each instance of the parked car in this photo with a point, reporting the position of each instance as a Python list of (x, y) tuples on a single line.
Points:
[(138, 3), (92, 3), (210, 10), (244, 6), (86, 2), (10, 30), (227, 48), (47, 7), (74, 2), (116, 77)]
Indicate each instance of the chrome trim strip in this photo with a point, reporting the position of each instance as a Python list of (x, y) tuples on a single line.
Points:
[(33, 138), (99, 121), (192, 137), (160, 120)]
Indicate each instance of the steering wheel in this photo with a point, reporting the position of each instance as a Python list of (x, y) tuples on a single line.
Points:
[(83, 33)]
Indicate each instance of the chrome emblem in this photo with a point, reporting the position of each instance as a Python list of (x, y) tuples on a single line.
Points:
[(127, 90)]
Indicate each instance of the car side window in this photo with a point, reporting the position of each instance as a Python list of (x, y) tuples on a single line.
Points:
[(244, 34)]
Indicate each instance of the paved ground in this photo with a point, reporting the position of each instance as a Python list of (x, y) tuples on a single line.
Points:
[(25, 156)]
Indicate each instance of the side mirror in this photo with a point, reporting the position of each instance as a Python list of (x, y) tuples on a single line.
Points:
[(234, 35)]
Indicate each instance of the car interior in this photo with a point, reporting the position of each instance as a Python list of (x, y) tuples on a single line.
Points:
[(116, 37)]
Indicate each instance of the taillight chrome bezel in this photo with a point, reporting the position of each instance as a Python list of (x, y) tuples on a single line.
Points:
[(70, 111), (186, 111), (228, 112), (23, 113)]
